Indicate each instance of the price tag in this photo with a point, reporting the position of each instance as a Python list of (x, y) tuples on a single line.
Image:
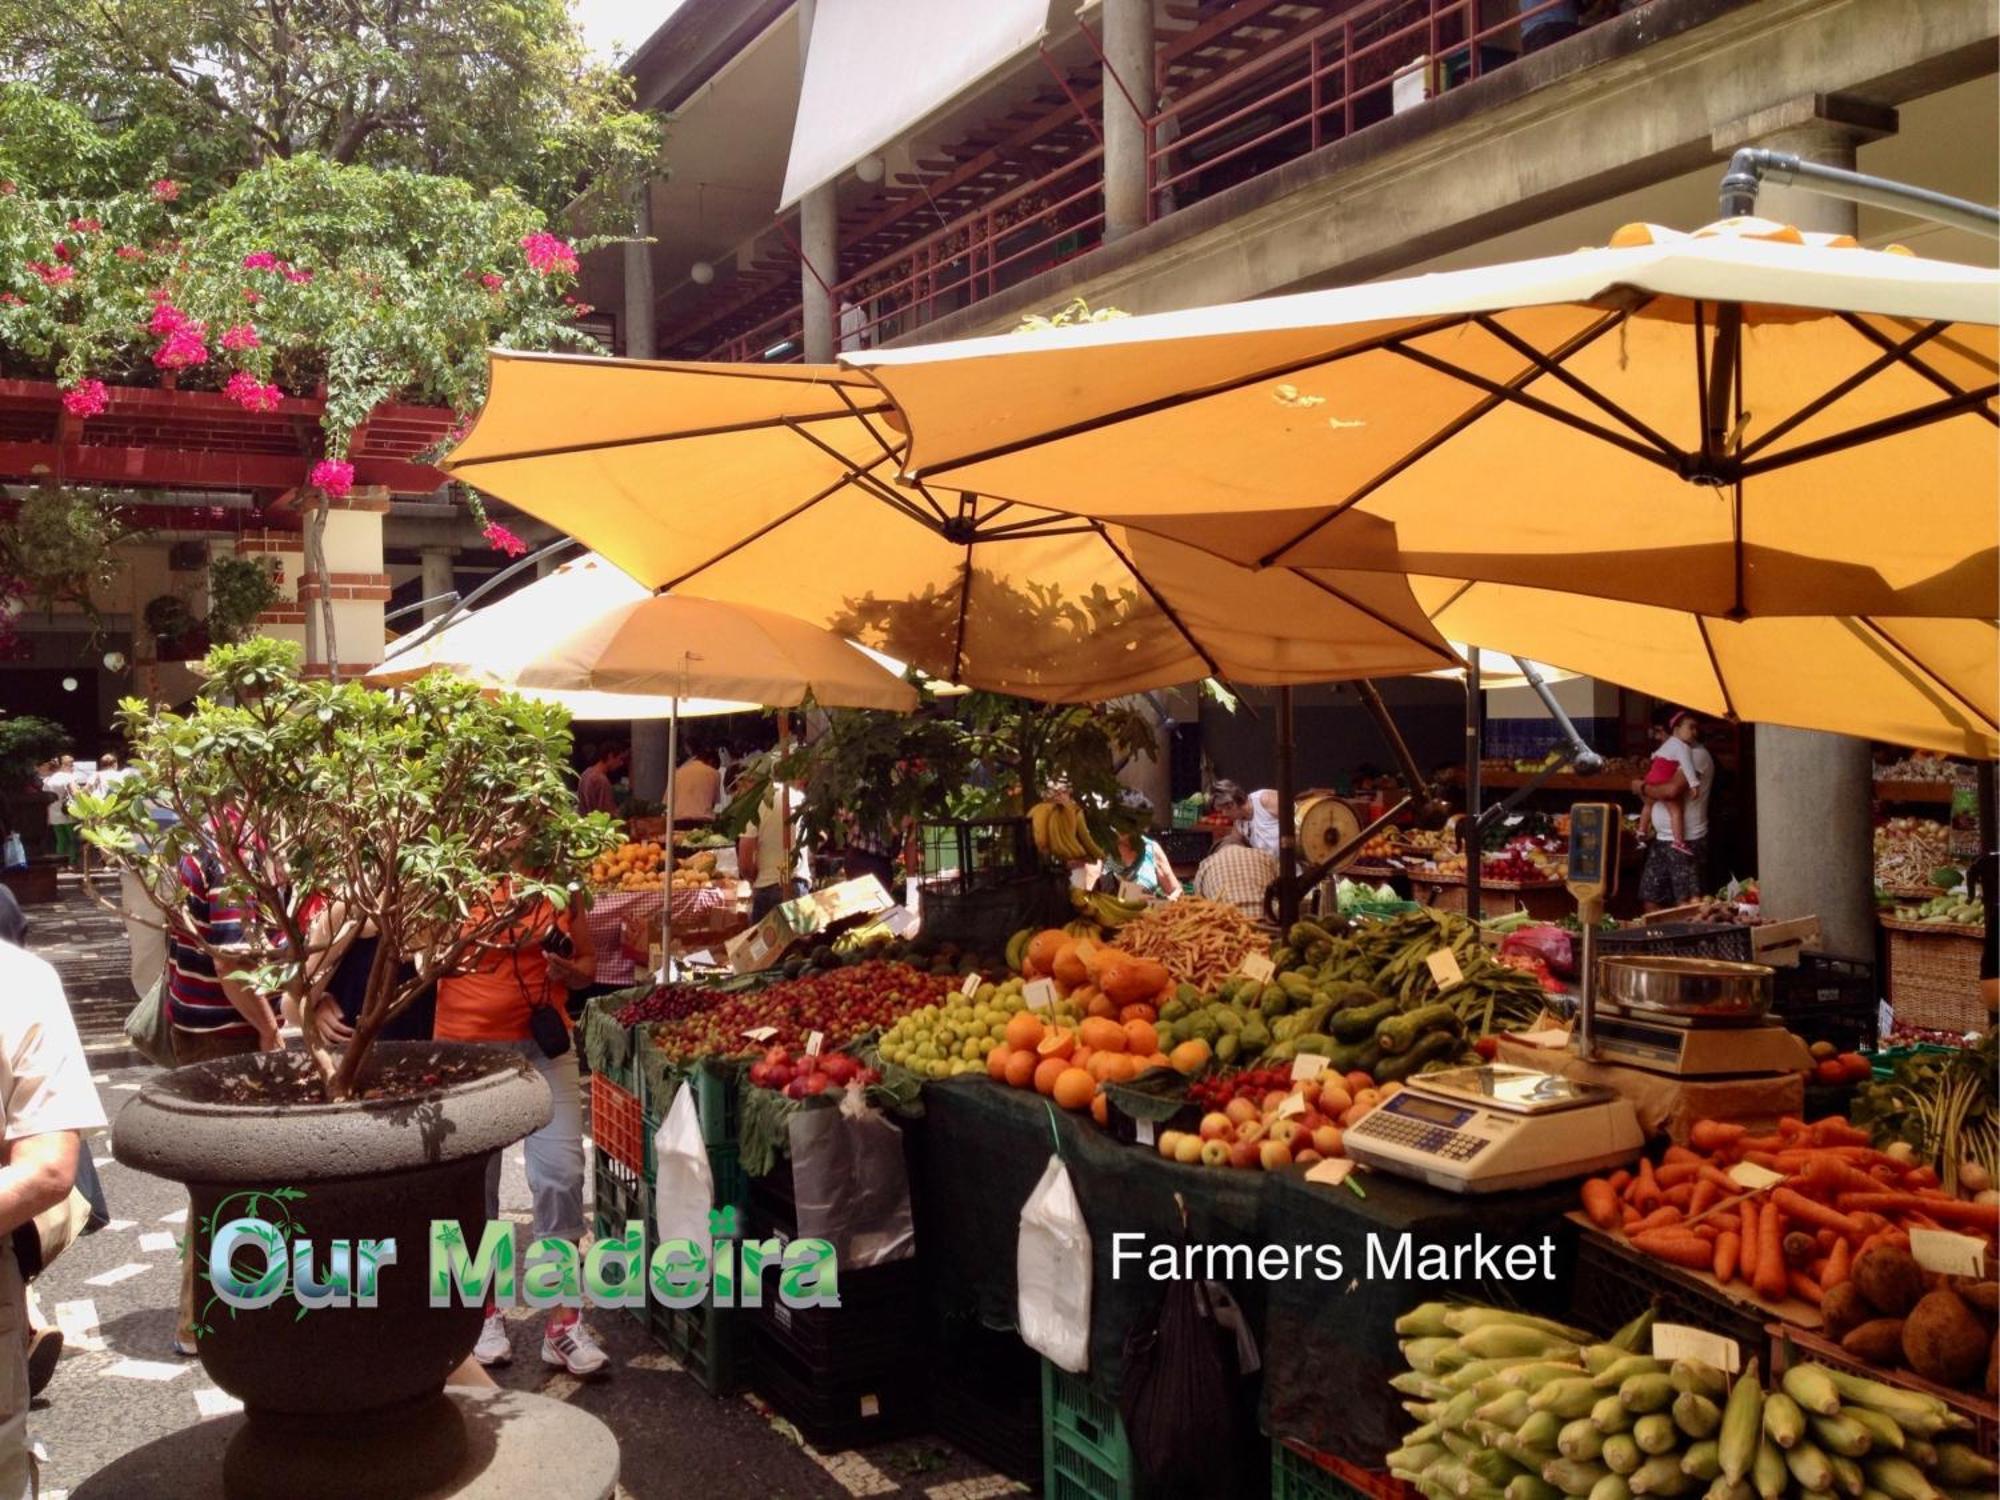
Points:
[(1552, 1036), (871, 1406), (761, 1033), (1257, 966), (1307, 1065), (814, 1042), (1130, 892), (1295, 1104), (1039, 994), (1677, 1341), (1947, 1253), (900, 921), (1748, 1174), (970, 987), (1145, 1132), (1444, 968), (1333, 1171)]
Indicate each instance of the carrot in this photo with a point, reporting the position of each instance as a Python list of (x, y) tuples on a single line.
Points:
[(1705, 1195), (1765, 1159), (1600, 1201), (1923, 1177), (1983, 1216), (1751, 1238), (1839, 1264), (1715, 1135), (1706, 1230), (1674, 1155), (1788, 1125), (1673, 1174), (1720, 1178), (1829, 1174), (1726, 1246), (1834, 1131), (1676, 1247), (1665, 1217), (1816, 1215), (1620, 1180), (1771, 1252), (1679, 1196), (1826, 1239), (1729, 1222), (1763, 1143), (1648, 1190), (1805, 1288)]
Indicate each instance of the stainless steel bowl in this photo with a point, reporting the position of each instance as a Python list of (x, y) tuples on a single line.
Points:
[(1709, 987)]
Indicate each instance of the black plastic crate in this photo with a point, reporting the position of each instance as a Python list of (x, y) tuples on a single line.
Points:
[(982, 920), (1185, 846), (986, 1398), (879, 1320), (1729, 941), (834, 1416), (1613, 1285), (1831, 1000)]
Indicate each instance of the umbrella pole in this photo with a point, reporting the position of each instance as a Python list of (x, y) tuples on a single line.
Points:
[(667, 883), (1288, 833), (1474, 842)]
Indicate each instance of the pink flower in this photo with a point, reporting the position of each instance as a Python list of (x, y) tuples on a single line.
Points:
[(9, 299), (130, 252), (332, 477), (186, 345), (165, 190), (240, 336), (166, 317), (84, 226), (61, 250), (493, 281), (85, 399), (547, 252), (52, 275), (252, 296), (261, 260), (500, 539), (295, 274), (8, 189), (250, 393)]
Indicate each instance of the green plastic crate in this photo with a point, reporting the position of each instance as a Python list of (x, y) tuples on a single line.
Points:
[(706, 1341), (1085, 1454), (1297, 1473), (616, 1197), (716, 1103)]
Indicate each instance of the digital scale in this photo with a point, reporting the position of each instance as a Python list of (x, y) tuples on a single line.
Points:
[(1486, 1129)]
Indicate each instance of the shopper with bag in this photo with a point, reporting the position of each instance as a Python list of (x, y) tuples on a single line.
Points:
[(515, 995), (46, 1101)]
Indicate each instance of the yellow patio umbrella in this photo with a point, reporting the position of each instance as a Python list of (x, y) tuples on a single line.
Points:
[(1746, 420), (772, 486), (1931, 683)]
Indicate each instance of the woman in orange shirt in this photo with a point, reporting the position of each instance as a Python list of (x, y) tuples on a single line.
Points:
[(497, 1001)]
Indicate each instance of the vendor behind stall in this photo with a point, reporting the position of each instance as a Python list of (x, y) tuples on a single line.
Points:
[(761, 853), (1255, 814), (593, 788), (697, 786)]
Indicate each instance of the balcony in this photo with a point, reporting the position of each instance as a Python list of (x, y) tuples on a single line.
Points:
[(1243, 88)]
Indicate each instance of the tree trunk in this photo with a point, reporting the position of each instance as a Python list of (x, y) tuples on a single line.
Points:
[(316, 563)]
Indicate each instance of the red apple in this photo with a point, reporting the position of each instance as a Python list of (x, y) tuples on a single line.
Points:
[(1168, 1140), (1244, 1153), (1284, 1132), (1326, 1140), (1358, 1081), (1250, 1130), (1306, 1157), (1335, 1100), (1214, 1154), (1215, 1127), (1272, 1099), (1274, 1154), (1240, 1110)]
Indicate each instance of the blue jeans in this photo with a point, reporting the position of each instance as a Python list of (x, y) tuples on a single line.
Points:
[(554, 1153), (768, 898)]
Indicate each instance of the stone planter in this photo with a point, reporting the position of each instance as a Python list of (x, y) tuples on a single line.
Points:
[(341, 1401)]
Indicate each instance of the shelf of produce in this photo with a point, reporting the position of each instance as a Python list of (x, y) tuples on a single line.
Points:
[(1914, 791), (1560, 782), (1788, 1342), (1615, 1283), (696, 908), (1545, 901)]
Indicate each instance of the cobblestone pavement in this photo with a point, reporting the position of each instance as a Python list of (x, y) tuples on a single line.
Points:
[(119, 1385)]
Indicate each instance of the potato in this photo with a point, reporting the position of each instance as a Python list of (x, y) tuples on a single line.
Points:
[(1844, 1309), (1879, 1341), (1980, 1296), (1943, 1340), (1890, 1279)]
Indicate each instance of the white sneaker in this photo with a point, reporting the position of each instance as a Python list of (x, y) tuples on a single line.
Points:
[(493, 1347), (573, 1347)]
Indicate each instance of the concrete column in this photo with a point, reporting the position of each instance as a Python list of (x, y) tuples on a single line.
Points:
[(649, 759), (819, 241), (436, 580), (1128, 48), (639, 322), (1815, 838)]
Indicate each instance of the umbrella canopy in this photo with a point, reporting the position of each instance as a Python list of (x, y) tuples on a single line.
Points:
[(589, 629), (773, 486), (1746, 420), (1926, 682)]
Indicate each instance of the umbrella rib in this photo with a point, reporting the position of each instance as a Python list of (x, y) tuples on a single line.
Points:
[(1715, 666), (724, 429), (1868, 432), (1200, 393), (1935, 377), (769, 526), (869, 480), (1867, 372), (1535, 404), (1868, 623), (1438, 439), (894, 450), (1159, 600), (1583, 388), (1374, 614)]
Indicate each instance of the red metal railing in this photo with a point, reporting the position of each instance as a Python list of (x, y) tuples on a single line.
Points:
[(1303, 90)]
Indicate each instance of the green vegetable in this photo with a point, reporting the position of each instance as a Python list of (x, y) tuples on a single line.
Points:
[(1768, 1471), (1881, 1428), (1574, 1478), (1610, 1415), (1503, 1340), (1358, 1023), (1621, 1453), (1742, 1419), (1660, 1476), (1624, 1368), (1808, 1385), (1566, 1398), (1696, 1415), (1898, 1478), (1703, 1461), (1655, 1433), (1960, 1465), (1611, 1487), (1644, 1393), (1784, 1423), (1701, 1379), (1579, 1439), (1808, 1465), (1432, 1046), (1634, 1334), (1842, 1435), (1399, 1033)]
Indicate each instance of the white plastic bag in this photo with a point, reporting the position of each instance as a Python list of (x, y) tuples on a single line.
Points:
[(15, 856), (684, 1188), (1052, 1272)]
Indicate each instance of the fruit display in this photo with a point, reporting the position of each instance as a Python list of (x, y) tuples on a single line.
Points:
[(1835, 1199), (629, 867), (1380, 847), (842, 1004), (1061, 832), (1513, 1407), (1928, 765), (1523, 863), (955, 1034), (696, 840), (809, 1073), (1908, 850), (1392, 959), (1951, 909), (1282, 1124), (1106, 910), (1832, 1067), (1201, 942), (1071, 1061), (1717, 912)]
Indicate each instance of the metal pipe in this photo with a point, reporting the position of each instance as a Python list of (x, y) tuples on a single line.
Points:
[(1378, 710), (418, 637), (1586, 1022), (448, 597), (1475, 852), (1750, 166), (1588, 760), (1288, 831)]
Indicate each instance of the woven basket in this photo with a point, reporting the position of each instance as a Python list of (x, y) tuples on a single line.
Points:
[(1934, 975)]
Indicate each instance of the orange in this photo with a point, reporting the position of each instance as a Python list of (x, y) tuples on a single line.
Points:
[(1102, 1005), (1021, 1067), (1100, 1110), (1069, 967), (1103, 956), (1139, 1011), (1189, 1057), (1048, 1070), (1057, 1044), (1024, 1030), (1158, 1060), (996, 1061), (1124, 1068), (1073, 1088), (1098, 1065), (1152, 976), (1101, 1035), (1042, 949), (1141, 1038)]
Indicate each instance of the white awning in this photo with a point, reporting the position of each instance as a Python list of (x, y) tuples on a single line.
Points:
[(876, 68)]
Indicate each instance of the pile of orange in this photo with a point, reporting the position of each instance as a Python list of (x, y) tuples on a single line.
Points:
[(1071, 1065)]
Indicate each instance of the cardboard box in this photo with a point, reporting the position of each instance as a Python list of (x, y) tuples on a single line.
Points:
[(818, 911)]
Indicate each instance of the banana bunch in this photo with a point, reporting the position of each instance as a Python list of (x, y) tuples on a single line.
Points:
[(1061, 833), (1103, 908)]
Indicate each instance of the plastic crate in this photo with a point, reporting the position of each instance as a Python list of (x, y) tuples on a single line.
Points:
[(618, 1126), (983, 920), (716, 1103), (1614, 1284), (1884, 1062), (1679, 940), (835, 1415), (881, 1317), (1186, 846), (1381, 910), (1790, 1346), (1302, 1473), (705, 1341), (1085, 1453), (617, 1195), (986, 1398)]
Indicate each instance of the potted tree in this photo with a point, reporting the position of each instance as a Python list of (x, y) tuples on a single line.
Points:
[(442, 817)]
